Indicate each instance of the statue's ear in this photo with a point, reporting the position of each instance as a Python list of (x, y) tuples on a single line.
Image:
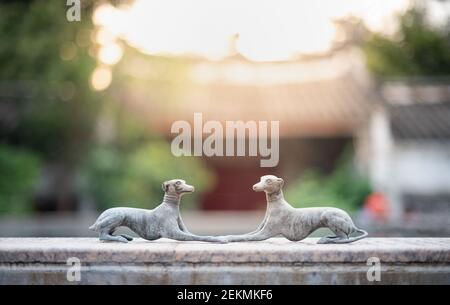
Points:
[(164, 187), (281, 181)]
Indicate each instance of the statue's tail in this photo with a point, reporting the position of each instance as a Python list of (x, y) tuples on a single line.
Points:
[(93, 227), (364, 234)]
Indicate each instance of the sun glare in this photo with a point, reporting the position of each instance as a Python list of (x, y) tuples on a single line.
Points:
[(101, 78), (268, 30), (110, 54)]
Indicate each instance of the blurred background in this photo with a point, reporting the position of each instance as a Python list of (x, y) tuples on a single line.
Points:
[(361, 89)]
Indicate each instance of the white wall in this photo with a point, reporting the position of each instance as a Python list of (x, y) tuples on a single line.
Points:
[(397, 167), (380, 150), (421, 167)]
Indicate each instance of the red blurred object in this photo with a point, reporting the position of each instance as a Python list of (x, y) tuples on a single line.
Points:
[(377, 205), (231, 193)]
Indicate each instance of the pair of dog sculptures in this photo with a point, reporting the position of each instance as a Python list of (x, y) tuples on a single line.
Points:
[(280, 219)]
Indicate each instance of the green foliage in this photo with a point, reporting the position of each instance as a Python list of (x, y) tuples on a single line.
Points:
[(419, 49), (57, 111), (48, 58), (19, 170), (134, 178), (343, 188), (36, 33)]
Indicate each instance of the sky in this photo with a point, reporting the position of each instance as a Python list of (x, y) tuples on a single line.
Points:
[(263, 30)]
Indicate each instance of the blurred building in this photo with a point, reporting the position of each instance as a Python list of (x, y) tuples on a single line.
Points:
[(320, 102), (406, 147)]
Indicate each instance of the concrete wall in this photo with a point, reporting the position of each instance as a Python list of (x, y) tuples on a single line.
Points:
[(275, 261)]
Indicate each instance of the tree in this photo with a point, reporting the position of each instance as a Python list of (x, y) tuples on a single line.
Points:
[(49, 114), (418, 49), (44, 76)]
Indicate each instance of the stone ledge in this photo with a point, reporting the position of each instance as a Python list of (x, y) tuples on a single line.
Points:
[(274, 250), (275, 261)]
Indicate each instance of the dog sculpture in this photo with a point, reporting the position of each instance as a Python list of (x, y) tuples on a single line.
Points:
[(163, 221), (297, 224)]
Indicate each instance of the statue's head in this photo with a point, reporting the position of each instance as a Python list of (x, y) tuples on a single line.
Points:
[(269, 184), (177, 187)]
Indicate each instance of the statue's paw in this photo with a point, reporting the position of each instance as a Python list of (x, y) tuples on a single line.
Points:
[(119, 239), (122, 239), (328, 240), (324, 240), (232, 239), (222, 240), (127, 237)]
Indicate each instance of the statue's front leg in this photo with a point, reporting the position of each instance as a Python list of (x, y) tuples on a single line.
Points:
[(263, 234), (261, 225), (183, 236), (182, 226)]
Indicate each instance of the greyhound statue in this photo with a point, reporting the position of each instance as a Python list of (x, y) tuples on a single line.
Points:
[(297, 224), (163, 221)]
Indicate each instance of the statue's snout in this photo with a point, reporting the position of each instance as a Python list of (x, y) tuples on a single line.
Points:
[(187, 188), (258, 187)]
